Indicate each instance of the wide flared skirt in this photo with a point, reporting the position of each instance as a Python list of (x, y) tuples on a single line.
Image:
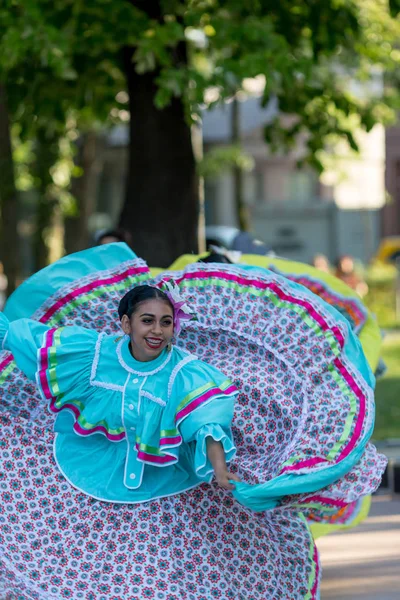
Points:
[(302, 423)]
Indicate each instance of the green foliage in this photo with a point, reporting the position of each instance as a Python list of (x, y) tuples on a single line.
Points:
[(66, 55), (223, 158), (64, 65), (60, 63), (381, 298), (381, 301), (387, 424), (394, 6)]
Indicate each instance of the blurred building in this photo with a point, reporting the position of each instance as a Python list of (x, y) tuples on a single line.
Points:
[(391, 210), (293, 210)]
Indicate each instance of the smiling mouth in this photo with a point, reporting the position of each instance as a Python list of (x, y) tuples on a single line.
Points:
[(153, 343)]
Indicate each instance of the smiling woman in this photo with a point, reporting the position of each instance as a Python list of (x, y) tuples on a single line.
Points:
[(156, 395), (139, 424), (147, 317)]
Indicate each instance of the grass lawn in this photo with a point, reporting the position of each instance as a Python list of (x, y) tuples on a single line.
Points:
[(388, 391)]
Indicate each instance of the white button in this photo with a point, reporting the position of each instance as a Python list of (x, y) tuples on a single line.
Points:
[(132, 476), (132, 428), (131, 407), (135, 380)]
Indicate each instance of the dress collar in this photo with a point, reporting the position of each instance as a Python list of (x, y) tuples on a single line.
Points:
[(137, 367)]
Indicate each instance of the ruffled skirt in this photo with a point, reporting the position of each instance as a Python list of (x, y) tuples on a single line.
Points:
[(302, 424)]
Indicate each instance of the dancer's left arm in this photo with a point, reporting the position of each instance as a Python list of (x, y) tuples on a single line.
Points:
[(216, 456), (204, 413)]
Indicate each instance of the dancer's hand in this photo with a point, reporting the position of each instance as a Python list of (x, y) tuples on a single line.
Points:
[(216, 457), (224, 478)]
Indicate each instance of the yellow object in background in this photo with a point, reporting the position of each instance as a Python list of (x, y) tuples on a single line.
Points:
[(154, 271), (369, 336), (389, 250)]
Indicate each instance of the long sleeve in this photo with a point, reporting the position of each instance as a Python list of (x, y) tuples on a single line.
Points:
[(23, 338), (62, 361), (59, 360), (202, 465), (207, 411)]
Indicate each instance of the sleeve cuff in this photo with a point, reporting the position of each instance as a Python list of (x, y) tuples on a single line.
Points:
[(202, 465)]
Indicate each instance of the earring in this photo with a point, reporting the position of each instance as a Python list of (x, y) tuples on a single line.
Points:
[(169, 345)]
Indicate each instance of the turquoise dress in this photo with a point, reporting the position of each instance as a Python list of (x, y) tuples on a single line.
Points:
[(126, 431), (301, 425)]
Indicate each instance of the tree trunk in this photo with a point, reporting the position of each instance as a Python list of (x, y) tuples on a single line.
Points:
[(90, 160), (240, 205), (162, 196), (46, 156), (44, 217), (197, 142), (9, 242)]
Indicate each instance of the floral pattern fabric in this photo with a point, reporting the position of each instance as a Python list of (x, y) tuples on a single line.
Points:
[(304, 406)]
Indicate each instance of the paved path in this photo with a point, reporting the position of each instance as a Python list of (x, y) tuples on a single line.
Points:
[(364, 563)]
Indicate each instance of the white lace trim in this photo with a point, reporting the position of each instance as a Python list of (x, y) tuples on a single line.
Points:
[(130, 501), (140, 373), (327, 288), (107, 386), (153, 398), (292, 370), (89, 278), (95, 364), (4, 340), (176, 370), (96, 357), (318, 304)]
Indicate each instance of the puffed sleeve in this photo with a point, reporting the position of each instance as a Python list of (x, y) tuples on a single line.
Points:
[(58, 359), (23, 338), (202, 466), (205, 409)]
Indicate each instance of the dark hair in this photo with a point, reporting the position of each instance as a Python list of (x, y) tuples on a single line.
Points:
[(120, 234), (137, 295), (214, 257)]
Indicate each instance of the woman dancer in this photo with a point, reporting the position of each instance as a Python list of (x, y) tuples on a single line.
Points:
[(301, 425), (168, 408)]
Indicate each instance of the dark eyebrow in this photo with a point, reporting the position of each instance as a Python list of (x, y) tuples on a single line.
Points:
[(151, 315)]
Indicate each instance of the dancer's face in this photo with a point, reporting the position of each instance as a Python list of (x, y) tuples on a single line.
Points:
[(150, 329)]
